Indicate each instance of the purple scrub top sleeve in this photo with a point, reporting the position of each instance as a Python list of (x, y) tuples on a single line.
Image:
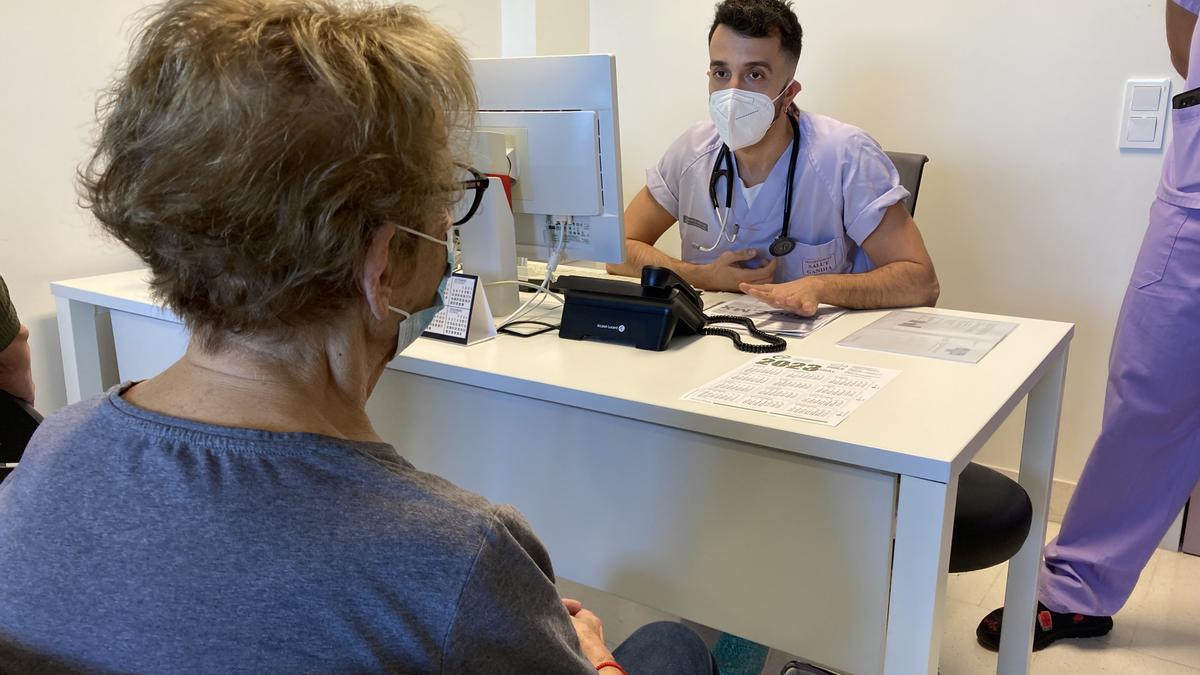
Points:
[(1192, 6), (663, 179), (870, 185), (664, 187)]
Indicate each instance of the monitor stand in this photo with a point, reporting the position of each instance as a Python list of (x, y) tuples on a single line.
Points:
[(489, 249)]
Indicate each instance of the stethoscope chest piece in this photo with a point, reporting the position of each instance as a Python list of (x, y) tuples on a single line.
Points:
[(782, 246)]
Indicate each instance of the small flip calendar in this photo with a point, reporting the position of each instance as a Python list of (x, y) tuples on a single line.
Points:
[(466, 318)]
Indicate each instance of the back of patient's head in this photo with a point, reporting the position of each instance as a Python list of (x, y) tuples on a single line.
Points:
[(251, 147), (762, 18)]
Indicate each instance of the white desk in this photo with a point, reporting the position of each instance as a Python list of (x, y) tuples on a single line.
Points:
[(827, 542)]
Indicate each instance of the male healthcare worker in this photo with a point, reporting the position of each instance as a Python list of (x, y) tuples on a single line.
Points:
[(1147, 458), (788, 206)]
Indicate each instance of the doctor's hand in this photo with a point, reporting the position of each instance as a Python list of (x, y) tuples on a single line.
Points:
[(727, 272), (800, 296)]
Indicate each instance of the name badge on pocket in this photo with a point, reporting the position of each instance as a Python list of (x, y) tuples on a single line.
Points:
[(688, 220), (824, 265)]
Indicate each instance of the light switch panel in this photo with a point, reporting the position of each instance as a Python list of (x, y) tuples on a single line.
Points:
[(1142, 129), (1145, 99), (1144, 114)]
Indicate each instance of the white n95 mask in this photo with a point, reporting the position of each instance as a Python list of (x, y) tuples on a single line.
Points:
[(742, 117)]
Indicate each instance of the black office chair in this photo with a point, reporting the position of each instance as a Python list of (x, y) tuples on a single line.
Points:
[(993, 513), (910, 166), (18, 421)]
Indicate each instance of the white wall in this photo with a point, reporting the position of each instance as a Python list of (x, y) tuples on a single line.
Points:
[(562, 27), (1027, 206), (54, 57), (514, 27), (476, 23)]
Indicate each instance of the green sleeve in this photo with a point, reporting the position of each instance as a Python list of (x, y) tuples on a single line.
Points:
[(9, 325)]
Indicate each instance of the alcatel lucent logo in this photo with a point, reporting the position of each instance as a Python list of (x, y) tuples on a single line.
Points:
[(603, 326)]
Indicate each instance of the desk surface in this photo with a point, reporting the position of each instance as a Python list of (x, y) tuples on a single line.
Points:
[(928, 422)]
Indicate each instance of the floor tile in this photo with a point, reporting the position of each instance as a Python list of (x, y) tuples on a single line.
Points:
[(971, 587), (994, 597), (1052, 529), (1096, 660), (1167, 616), (1139, 609), (960, 653)]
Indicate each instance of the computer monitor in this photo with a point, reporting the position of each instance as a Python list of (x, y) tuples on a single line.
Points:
[(558, 115)]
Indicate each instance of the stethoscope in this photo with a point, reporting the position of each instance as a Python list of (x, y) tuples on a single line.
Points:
[(783, 244)]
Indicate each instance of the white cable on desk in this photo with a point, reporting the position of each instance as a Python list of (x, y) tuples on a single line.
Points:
[(526, 284), (544, 289)]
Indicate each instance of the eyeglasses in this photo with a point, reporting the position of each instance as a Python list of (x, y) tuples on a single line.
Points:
[(472, 184)]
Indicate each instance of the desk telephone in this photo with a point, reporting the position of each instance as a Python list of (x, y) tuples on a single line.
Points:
[(647, 315)]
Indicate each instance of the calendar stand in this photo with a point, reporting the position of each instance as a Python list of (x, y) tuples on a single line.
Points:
[(466, 318)]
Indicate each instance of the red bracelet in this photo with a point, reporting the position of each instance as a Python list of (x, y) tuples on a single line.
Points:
[(611, 664)]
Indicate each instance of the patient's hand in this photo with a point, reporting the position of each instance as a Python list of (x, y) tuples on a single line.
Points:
[(590, 630)]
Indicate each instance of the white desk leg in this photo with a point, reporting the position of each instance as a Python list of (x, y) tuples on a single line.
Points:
[(920, 560), (1037, 471), (83, 367)]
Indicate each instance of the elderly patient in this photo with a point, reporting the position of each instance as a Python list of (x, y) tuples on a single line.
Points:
[(285, 170)]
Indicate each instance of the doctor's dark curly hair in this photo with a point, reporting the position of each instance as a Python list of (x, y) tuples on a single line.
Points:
[(761, 18), (251, 147)]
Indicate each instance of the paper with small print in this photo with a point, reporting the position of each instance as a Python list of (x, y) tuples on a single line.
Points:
[(939, 336), (773, 319), (813, 390)]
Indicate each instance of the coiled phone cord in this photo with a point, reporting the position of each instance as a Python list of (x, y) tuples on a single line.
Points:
[(774, 342)]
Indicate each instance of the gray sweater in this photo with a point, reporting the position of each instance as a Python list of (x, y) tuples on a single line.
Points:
[(136, 542)]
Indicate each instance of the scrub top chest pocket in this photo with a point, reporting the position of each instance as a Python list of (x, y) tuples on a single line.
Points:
[(811, 259)]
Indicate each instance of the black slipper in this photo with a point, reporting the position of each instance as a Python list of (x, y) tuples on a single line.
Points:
[(1047, 627)]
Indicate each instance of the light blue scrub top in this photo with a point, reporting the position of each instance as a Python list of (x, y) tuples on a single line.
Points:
[(844, 184)]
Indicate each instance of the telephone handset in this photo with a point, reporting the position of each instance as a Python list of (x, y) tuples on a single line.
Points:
[(661, 282), (647, 314)]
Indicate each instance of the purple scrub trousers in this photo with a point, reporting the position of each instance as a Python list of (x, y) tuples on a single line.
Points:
[(1147, 458)]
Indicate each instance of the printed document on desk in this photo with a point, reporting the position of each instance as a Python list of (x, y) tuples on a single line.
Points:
[(813, 390), (934, 335), (774, 320)]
